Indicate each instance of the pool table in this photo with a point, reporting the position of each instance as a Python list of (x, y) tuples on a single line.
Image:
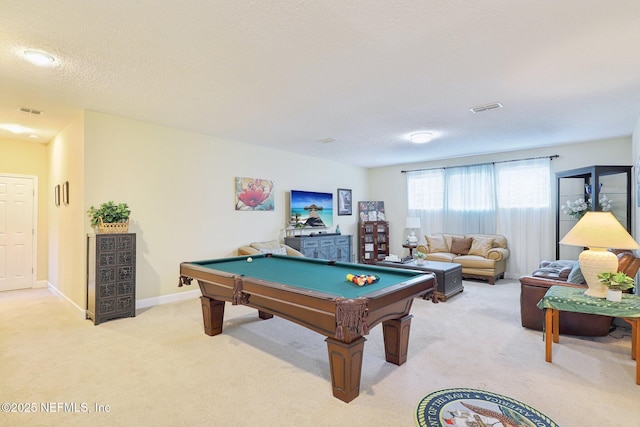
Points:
[(315, 293)]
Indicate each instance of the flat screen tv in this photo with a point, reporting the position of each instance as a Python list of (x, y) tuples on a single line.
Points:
[(311, 208)]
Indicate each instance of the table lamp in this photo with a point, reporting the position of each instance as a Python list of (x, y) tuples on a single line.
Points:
[(412, 223), (598, 231)]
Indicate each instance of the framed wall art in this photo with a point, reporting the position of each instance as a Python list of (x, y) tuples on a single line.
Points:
[(344, 202), (56, 195), (65, 193), (254, 194)]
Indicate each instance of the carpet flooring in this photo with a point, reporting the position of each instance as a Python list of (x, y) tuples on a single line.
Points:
[(160, 369)]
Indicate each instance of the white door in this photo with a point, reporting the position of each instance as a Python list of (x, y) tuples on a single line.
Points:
[(16, 232)]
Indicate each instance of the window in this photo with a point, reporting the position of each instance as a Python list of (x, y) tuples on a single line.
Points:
[(426, 190), (517, 184), (524, 184)]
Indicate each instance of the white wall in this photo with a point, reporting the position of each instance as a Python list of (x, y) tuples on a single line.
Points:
[(180, 188), (67, 256), (388, 183)]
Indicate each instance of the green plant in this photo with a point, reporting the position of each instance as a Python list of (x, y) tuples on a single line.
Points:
[(421, 255), (109, 212), (619, 281)]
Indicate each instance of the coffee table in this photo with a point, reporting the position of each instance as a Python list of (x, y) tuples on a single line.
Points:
[(448, 275)]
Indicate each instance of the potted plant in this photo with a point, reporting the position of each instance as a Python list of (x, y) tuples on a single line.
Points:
[(616, 283), (420, 257), (110, 218)]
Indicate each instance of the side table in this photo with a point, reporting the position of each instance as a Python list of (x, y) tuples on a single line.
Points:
[(410, 247), (564, 298)]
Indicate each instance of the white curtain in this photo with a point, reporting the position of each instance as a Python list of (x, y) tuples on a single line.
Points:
[(525, 213), (509, 198), (470, 200), (426, 199)]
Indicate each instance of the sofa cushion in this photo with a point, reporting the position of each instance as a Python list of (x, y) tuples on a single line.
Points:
[(474, 261), (575, 276), (461, 246), (441, 257), (480, 246), (272, 244), (279, 251), (437, 244)]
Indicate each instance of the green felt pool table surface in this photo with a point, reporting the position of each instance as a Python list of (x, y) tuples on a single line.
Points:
[(310, 274)]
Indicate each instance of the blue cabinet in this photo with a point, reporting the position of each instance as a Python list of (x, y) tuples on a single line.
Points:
[(334, 247)]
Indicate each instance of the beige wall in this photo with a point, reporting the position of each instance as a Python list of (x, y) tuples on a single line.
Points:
[(67, 256), (180, 188), (388, 183), (30, 158)]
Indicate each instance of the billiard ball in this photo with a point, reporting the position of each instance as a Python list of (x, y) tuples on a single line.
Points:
[(249, 259)]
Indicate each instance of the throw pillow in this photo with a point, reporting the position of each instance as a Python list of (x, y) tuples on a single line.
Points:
[(575, 276), (272, 244), (437, 244), (279, 251), (461, 246), (481, 246)]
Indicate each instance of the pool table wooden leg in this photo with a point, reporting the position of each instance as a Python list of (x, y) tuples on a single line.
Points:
[(396, 339), (345, 360), (213, 315)]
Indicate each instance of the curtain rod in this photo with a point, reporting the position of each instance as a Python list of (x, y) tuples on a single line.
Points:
[(555, 156)]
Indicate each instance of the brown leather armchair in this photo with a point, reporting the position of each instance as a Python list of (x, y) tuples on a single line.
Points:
[(532, 289)]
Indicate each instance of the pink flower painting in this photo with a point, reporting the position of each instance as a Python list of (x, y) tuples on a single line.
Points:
[(254, 194)]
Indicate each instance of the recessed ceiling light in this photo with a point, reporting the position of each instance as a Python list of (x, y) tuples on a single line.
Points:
[(420, 137), (38, 57)]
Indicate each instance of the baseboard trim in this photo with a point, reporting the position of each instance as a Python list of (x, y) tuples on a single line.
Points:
[(81, 311), (167, 299), (143, 303), (40, 284)]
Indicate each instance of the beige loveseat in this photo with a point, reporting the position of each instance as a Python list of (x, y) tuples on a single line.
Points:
[(482, 256), (272, 247)]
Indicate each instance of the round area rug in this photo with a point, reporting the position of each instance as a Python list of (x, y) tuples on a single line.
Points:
[(471, 407)]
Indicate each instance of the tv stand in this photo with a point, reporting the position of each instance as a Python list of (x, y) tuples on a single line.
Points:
[(330, 246)]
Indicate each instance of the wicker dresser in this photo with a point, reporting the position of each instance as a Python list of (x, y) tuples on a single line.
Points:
[(111, 276)]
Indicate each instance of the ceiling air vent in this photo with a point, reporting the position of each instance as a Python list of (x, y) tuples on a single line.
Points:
[(486, 107), (29, 110)]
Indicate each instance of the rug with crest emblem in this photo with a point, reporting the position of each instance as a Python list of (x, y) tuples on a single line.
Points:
[(472, 407)]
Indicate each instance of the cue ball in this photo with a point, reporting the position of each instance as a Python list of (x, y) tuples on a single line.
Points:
[(249, 259)]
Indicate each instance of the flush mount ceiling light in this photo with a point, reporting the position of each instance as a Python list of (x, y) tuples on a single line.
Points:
[(326, 140), (13, 128), (38, 57), (420, 137)]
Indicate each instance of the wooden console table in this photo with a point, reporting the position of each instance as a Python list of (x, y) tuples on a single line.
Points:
[(564, 298)]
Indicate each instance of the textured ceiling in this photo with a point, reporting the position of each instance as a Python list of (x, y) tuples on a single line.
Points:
[(288, 74)]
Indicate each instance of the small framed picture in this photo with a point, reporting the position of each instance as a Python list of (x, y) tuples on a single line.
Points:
[(344, 201), (65, 193), (56, 195)]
